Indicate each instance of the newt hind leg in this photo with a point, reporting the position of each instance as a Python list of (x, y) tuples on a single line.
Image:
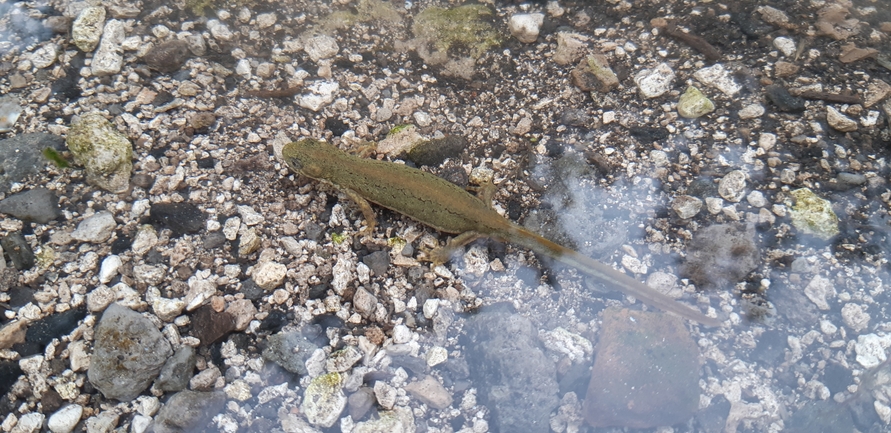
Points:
[(442, 254)]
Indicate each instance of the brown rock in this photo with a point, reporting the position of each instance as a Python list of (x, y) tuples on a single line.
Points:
[(168, 56), (646, 373), (13, 333), (785, 69), (208, 325)]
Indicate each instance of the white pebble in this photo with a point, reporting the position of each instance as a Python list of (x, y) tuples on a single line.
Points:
[(109, 268)]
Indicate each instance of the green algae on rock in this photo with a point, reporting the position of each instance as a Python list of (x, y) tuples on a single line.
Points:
[(465, 26), (694, 103), (324, 400), (813, 215), (105, 153)]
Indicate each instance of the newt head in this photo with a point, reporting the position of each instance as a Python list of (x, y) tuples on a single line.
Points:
[(307, 156)]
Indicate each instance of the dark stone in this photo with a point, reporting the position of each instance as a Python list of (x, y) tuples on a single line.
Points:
[(378, 261), (648, 134), (214, 240), (18, 250), (143, 180), (9, 374), (515, 377), (721, 255), (645, 374), (770, 348), (209, 325), (824, 416), (784, 101), (837, 378), (21, 156), (180, 218), (432, 153), (187, 411), (39, 205), (43, 331), (177, 371), (168, 56)]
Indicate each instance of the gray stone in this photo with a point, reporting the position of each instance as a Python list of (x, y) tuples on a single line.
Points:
[(10, 110), (20, 156), (686, 206), (39, 205), (177, 371), (128, 354), (721, 255), (732, 186), (105, 153), (290, 350), (512, 371), (96, 228), (188, 411), (430, 392), (18, 249), (109, 58)]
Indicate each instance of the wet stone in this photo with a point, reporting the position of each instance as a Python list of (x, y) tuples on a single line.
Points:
[(9, 374), (378, 261), (128, 353), (360, 402), (188, 411), (721, 255), (43, 331), (39, 205), (645, 374), (812, 215), (20, 156), (430, 392), (18, 249), (686, 206), (732, 186), (105, 153), (180, 218), (694, 103), (209, 325), (177, 371), (168, 56), (65, 419), (514, 375), (781, 98), (290, 350), (435, 152), (324, 400)]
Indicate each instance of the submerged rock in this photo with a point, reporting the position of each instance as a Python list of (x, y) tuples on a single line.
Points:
[(513, 373), (813, 215), (39, 205), (128, 354), (646, 373), (105, 153), (721, 255)]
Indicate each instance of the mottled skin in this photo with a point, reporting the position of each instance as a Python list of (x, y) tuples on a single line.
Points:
[(447, 207)]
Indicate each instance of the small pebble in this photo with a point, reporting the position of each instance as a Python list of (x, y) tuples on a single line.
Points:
[(732, 186), (96, 228), (526, 27)]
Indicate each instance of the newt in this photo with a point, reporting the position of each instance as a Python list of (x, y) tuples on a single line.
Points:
[(448, 208)]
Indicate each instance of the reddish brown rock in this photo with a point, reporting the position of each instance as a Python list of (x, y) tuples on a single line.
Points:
[(646, 373)]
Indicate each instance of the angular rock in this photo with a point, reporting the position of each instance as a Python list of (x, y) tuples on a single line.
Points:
[(39, 205), (87, 28), (430, 392), (209, 325), (18, 249), (324, 400), (694, 103), (168, 56), (813, 215), (645, 374), (128, 353), (65, 419), (177, 371), (290, 350)]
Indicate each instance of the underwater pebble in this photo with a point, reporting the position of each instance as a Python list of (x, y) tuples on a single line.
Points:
[(686, 206), (39, 205), (10, 110), (321, 47), (839, 121), (813, 215), (105, 153), (108, 59), (654, 82), (870, 349), (732, 186), (694, 103), (785, 45), (323, 400), (321, 94), (719, 78), (269, 275), (819, 290), (109, 268), (430, 392), (855, 317), (751, 111), (525, 27)]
